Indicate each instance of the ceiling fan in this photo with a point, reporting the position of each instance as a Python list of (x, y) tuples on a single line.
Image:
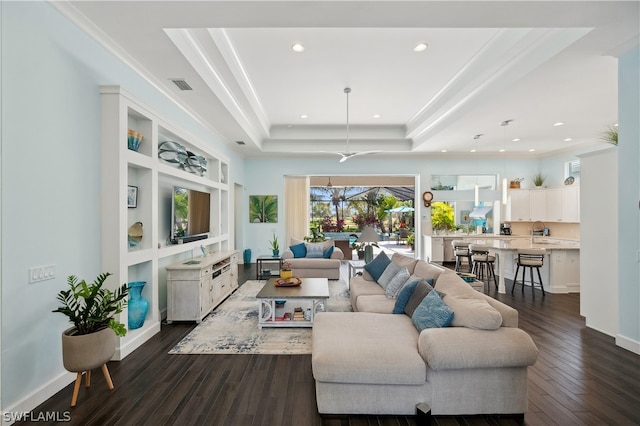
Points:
[(348, 154)]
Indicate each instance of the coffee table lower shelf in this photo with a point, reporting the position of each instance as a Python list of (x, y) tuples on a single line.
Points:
[(311, 295)]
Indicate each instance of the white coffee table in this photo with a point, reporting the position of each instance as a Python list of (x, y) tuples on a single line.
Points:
[(311, 294)]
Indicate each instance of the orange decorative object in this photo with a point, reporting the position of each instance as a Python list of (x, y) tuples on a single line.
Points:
[(287, 282)]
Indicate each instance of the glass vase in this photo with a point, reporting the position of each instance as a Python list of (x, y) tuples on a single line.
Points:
[(137, 306)]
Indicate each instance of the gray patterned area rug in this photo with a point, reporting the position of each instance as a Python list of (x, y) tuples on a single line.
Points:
[(232, 328)]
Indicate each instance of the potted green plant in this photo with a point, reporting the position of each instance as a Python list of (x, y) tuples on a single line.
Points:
[(411, 241), (317, 236), (538, 179), (91, 342), (275, 246), (610, 135)]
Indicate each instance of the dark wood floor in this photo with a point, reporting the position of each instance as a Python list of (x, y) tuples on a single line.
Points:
[(580, 378)]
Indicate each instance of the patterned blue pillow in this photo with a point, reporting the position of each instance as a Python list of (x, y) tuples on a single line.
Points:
[(396, 283), (298, 250), (389, 272), (432, 312), (314, 250), (328, 252), (403, 296), (377, 266)]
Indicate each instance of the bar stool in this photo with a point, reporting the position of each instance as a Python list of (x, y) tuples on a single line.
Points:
[(529, 258), (483, 260), (461, 252)]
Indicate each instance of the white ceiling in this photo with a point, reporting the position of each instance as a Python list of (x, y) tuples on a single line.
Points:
[(535, 63)]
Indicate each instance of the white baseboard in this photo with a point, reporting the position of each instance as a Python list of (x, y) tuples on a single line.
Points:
[(37, 397), (628, 344), (131, 345)]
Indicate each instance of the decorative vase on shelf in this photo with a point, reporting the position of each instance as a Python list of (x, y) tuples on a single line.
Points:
[(137, 306)]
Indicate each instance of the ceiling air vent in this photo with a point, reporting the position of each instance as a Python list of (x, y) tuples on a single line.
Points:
[(240, 142), (182, 85)]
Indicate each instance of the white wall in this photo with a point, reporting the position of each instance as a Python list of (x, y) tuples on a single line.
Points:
[(629, 198), (50, 165), (599, 240), (266, 177)]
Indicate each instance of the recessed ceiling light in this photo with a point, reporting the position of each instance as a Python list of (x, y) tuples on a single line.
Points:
[(501, 150), (568, 140), (473, 150), (515, 140), (443, 150), (532, 150), (559, 123), (615, 125), (304, 116), (420, 47), (376, 115), (297, 47)]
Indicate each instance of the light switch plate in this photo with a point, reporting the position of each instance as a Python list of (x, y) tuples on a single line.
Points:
[(42, 273)]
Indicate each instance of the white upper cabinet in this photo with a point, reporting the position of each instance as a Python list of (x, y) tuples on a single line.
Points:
[(548, 205)]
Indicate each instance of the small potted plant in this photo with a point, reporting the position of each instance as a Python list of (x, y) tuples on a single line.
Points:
[(275, 246), (91, 342), (285, 270), (411, 241), (538, 179)]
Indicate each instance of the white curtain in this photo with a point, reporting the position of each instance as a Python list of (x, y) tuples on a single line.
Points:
[(296, 207)]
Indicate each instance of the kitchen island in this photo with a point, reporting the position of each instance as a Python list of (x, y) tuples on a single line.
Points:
[(561, 269)]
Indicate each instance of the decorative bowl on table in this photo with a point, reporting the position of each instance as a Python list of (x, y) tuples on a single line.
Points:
[(287, 282)]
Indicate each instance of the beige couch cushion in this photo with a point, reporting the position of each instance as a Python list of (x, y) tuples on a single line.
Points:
[(365, 347), (470, 307), (404, 262), (460, 348), (428, 270), (375, 303)]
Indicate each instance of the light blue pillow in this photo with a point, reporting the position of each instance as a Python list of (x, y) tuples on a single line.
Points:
[(328, 252), (396, 283), (403, 296), (389, 272), (432, 312), (315, 250), (376, 267), (298, 250)]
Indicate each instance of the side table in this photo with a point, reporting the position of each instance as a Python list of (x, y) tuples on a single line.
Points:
[(263, 273), (355, 266)]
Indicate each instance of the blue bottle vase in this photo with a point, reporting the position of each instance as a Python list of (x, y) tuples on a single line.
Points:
[(137, 306)]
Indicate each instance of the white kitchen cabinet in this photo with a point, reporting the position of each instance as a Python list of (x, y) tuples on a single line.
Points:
[(554, 205), (537, 204), (197, 286), (519, 207), (571, 204)]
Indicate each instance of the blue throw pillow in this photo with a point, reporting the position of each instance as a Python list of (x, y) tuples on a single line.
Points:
[(377, 266), (432, 312), (328, 252), (299, 250), (315, 250), (403, 296)]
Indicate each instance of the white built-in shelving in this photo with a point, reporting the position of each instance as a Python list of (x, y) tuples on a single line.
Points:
[(155, 179)]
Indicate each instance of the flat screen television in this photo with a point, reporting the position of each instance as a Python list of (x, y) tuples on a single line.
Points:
[(190, 215)]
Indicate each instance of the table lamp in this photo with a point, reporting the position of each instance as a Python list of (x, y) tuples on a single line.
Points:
[(369, 236)]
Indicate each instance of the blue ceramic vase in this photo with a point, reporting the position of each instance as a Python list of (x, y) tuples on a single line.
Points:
[(137, 306)]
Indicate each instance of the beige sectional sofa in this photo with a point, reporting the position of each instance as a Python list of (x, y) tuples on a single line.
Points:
[(374, 362), (315, 267)]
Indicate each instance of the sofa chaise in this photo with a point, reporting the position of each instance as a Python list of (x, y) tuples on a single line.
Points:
[(314, 260), (373, 361)]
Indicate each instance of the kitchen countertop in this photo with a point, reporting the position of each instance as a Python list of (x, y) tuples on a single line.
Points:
[(519, 243)]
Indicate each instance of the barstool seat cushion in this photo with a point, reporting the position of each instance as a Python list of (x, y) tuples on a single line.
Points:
[(462, 252), (530, 262), (483, 258), (469, 307)]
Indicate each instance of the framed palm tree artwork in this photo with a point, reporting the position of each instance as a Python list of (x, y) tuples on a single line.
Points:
[(263, 208)]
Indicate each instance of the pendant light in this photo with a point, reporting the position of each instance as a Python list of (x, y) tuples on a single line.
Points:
[(329, 184), (504, 124), (476, 187)]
